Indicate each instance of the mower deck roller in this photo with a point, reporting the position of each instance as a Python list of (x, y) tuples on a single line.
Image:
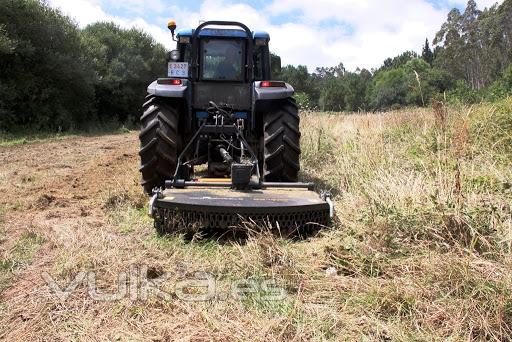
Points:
[(286, 207)]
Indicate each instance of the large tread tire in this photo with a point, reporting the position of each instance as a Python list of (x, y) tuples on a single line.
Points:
[(159, 142), (281, 139)]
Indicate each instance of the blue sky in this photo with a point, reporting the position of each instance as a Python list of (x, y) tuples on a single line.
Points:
[(357, 33)]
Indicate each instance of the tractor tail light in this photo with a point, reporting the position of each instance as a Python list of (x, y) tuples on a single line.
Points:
[(272, 84), (175, 82)]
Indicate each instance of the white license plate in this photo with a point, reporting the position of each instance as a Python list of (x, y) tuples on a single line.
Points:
[(178, 69)]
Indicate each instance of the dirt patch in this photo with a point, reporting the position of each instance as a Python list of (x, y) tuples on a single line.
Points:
[(44, 201)]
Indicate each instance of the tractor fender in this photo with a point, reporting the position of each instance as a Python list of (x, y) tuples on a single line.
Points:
[(272, 93), (168, 90)]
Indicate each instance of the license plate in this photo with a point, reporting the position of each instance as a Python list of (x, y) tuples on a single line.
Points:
[(178, 69)]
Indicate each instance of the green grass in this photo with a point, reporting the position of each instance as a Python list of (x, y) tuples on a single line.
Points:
[(8, 139), (19, 257)]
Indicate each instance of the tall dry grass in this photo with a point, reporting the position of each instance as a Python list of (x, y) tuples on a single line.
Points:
[(424, 217)]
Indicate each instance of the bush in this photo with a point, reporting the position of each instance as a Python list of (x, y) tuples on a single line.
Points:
[(303, 101), (462, 92), (502, 87), (492, 127)]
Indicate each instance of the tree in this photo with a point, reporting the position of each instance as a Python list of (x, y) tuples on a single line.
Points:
[(414, 84), (504, 14), (389, 89), (425, 83), (356, 84), (7, 45), (427, 54), (494, 52), (475, 46), (45, 80), (337, 71), (297, 76), (125, 62), (451, 44), (275, 66), (302, 81), (398, 61), (472, 38), (332, 95)]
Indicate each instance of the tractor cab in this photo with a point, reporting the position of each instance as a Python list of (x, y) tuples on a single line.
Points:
[(224, 54), (222, 65)]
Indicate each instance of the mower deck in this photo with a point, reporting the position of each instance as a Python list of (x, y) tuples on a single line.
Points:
[(214, 207)]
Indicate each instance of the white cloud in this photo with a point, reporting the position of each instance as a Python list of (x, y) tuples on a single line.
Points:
[(138, 6), (381, 29), (83, 11), (369, 30), (481, 3)]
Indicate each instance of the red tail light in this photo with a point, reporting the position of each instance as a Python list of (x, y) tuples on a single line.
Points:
[(272, 84), (175, 82)]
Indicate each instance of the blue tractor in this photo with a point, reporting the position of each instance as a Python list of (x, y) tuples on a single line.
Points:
[(220, 107)]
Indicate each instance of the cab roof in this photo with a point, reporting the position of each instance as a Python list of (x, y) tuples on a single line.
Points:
[(228, 33)]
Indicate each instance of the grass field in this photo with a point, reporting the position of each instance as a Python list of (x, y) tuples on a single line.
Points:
[(420, 248)]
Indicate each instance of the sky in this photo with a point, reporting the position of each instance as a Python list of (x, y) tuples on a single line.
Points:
[(315, 33)]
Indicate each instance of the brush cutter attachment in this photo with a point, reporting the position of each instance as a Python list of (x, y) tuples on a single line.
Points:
[(208, 204), (245, 199)]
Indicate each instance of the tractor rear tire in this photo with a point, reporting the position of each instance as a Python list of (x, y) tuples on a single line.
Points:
[(159, 142), (281, 139)]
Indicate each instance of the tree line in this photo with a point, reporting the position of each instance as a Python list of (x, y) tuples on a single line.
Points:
[(55, 76), (470, 61)]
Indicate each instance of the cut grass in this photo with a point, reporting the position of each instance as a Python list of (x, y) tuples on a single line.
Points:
[(3, 234), (18, 257), (3, 210)]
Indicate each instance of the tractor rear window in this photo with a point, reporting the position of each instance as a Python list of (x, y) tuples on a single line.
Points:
[(222, 60)]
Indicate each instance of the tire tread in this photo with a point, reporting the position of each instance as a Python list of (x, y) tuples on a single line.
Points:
[(159, 142), (281, 142)]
